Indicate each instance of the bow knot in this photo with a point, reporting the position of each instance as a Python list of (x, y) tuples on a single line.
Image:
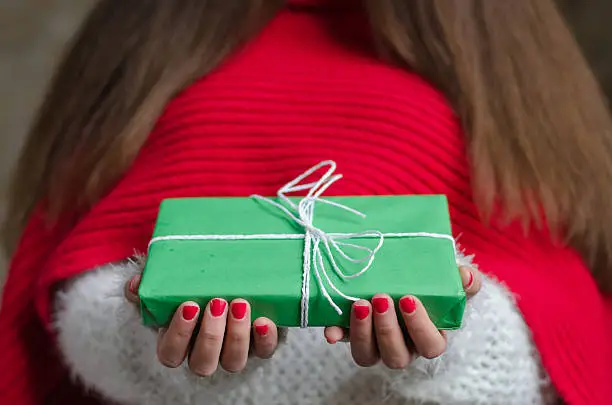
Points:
[(316, 240)]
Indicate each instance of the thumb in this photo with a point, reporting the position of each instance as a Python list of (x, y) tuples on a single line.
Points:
[(131, 289)]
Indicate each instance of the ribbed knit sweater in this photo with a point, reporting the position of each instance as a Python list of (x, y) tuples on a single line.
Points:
[(308, 88)]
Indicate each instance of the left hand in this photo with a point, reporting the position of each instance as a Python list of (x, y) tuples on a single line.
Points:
[(376, 335)]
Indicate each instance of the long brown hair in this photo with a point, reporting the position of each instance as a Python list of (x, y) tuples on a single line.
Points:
[(538, 130)]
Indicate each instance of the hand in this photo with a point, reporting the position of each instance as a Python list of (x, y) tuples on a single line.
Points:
[(378, 336), (224, 336)]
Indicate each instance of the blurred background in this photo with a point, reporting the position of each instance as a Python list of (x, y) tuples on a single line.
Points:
[(33, 34)]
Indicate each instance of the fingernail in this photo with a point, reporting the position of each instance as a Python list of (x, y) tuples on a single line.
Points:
[(470, 280), (407, 305), (217, 307), (190, 312), (361, 311), (261, 330), (239, 310), (134, 285), (381, 304)]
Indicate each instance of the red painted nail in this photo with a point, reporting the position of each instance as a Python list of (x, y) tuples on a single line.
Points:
[(407, 305), (470, 280), (381, 304), (261, 330), (217, 307), (134, 284), (190, 312), (361, 311), (239, 310)]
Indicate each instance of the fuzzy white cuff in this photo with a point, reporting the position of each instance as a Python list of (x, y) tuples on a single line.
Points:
[(491, 360), (109, 350)]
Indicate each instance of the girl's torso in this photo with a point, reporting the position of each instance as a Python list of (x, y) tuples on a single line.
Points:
[(310, 88)]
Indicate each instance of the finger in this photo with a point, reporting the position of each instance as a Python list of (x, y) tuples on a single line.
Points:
[(363, 344), (173, 342), (391, 345), (204, 357), (131, 289), (237, 337), (471, 279), (334, 334), (265, 338), (428, 341)]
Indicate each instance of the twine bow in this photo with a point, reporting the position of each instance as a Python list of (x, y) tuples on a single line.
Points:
[(316, 239)]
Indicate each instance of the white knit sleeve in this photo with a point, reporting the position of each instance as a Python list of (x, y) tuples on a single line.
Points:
[(491, 360), (108, 349)]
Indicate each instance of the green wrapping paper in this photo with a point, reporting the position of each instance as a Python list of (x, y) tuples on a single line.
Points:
[(268, 273)]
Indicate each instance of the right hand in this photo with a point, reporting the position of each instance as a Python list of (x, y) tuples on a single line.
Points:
[(224, 336)]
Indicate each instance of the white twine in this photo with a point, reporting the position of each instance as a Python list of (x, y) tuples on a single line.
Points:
[(303, 215)]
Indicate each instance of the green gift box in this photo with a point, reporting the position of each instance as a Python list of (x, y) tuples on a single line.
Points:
[(249, 248)]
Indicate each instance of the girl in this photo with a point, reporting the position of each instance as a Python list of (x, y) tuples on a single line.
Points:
[(488, 102)]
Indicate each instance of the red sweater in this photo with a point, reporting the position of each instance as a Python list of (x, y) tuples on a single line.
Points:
[(308, 88)]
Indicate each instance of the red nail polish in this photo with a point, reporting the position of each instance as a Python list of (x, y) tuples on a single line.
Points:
[(361, 311), (217, 307), (261, 330), (381, 304), (470, 280), (190, 312), (239, 310), (407, 305), (134, 285)]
